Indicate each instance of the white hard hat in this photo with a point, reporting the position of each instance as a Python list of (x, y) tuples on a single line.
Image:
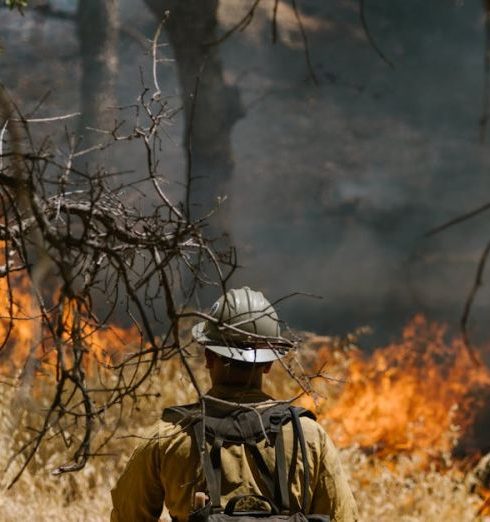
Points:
[(246, 328)]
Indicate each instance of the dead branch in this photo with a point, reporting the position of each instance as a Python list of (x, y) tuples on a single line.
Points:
[(92, 252), (369, 36), (459, 219), (306, 46), (469, 303), (241, 25), (98, 244), (486, 71)]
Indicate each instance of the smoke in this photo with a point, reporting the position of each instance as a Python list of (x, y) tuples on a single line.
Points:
[(334, 185), (347, 177)]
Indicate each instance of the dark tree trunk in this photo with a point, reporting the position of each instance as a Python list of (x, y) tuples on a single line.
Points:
[(191, 25), (97, 23)]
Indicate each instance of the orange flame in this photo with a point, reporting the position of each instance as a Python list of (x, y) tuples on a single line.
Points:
[(417, 395), (27, 338), (101, 345)]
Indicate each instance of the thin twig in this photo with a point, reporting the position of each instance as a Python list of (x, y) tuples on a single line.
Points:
[(2, 134), (154, 47), (477, 283), (274, 21), (486, 81), (484, 506), (459, 219), (369, 36), (48, 120), (190, 128), (306, 46), (242, 24)]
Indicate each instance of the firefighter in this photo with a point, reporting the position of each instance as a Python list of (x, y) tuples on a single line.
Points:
[(241, 340)]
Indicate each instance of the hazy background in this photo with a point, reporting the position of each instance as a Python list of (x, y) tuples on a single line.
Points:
[(334, 184)]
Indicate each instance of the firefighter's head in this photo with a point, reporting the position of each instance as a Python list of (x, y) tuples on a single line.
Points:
[(242, 333)]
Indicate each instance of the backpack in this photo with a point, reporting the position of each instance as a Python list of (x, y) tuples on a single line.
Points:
[(248, 426)]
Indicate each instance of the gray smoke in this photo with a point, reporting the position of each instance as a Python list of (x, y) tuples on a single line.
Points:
[(335, 185)]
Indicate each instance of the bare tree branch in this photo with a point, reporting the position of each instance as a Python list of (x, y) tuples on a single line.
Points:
[(369, 36), (306, 46), (469, 303), (486, 81), (457, 220)]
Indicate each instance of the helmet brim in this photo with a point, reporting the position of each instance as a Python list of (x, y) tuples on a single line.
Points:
[(249, 354)]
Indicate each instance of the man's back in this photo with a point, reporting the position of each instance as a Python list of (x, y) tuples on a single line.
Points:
[(167, 468)]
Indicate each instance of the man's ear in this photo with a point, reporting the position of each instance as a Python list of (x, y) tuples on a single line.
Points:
[(267, 367)]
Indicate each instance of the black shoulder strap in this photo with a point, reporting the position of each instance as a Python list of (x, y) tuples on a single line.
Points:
[(191, 415), (177, 414), (281, 493), (263, 470), (210, 462), (298, 430)]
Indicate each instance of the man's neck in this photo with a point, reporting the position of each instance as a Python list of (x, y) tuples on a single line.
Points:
[(235, 393)]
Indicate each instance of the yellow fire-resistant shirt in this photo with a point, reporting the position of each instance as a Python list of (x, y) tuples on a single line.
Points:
[(166, 468)]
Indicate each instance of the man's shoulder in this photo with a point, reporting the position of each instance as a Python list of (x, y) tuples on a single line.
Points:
[(178, 411), (170, 426), (314, 432), (310, 424)]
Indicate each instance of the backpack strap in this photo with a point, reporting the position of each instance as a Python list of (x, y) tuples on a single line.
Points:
[(262, 469), (190, 416), (210, 462), (183, 415), (281, 492), (298, 430)]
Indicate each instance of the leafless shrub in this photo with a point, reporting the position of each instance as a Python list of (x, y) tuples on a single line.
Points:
[(89, 253)]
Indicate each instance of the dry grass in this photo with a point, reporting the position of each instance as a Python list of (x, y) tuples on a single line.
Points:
[(385, 490)]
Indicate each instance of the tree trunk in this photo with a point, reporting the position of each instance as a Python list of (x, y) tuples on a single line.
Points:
[(190, 27), (97, 23)]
